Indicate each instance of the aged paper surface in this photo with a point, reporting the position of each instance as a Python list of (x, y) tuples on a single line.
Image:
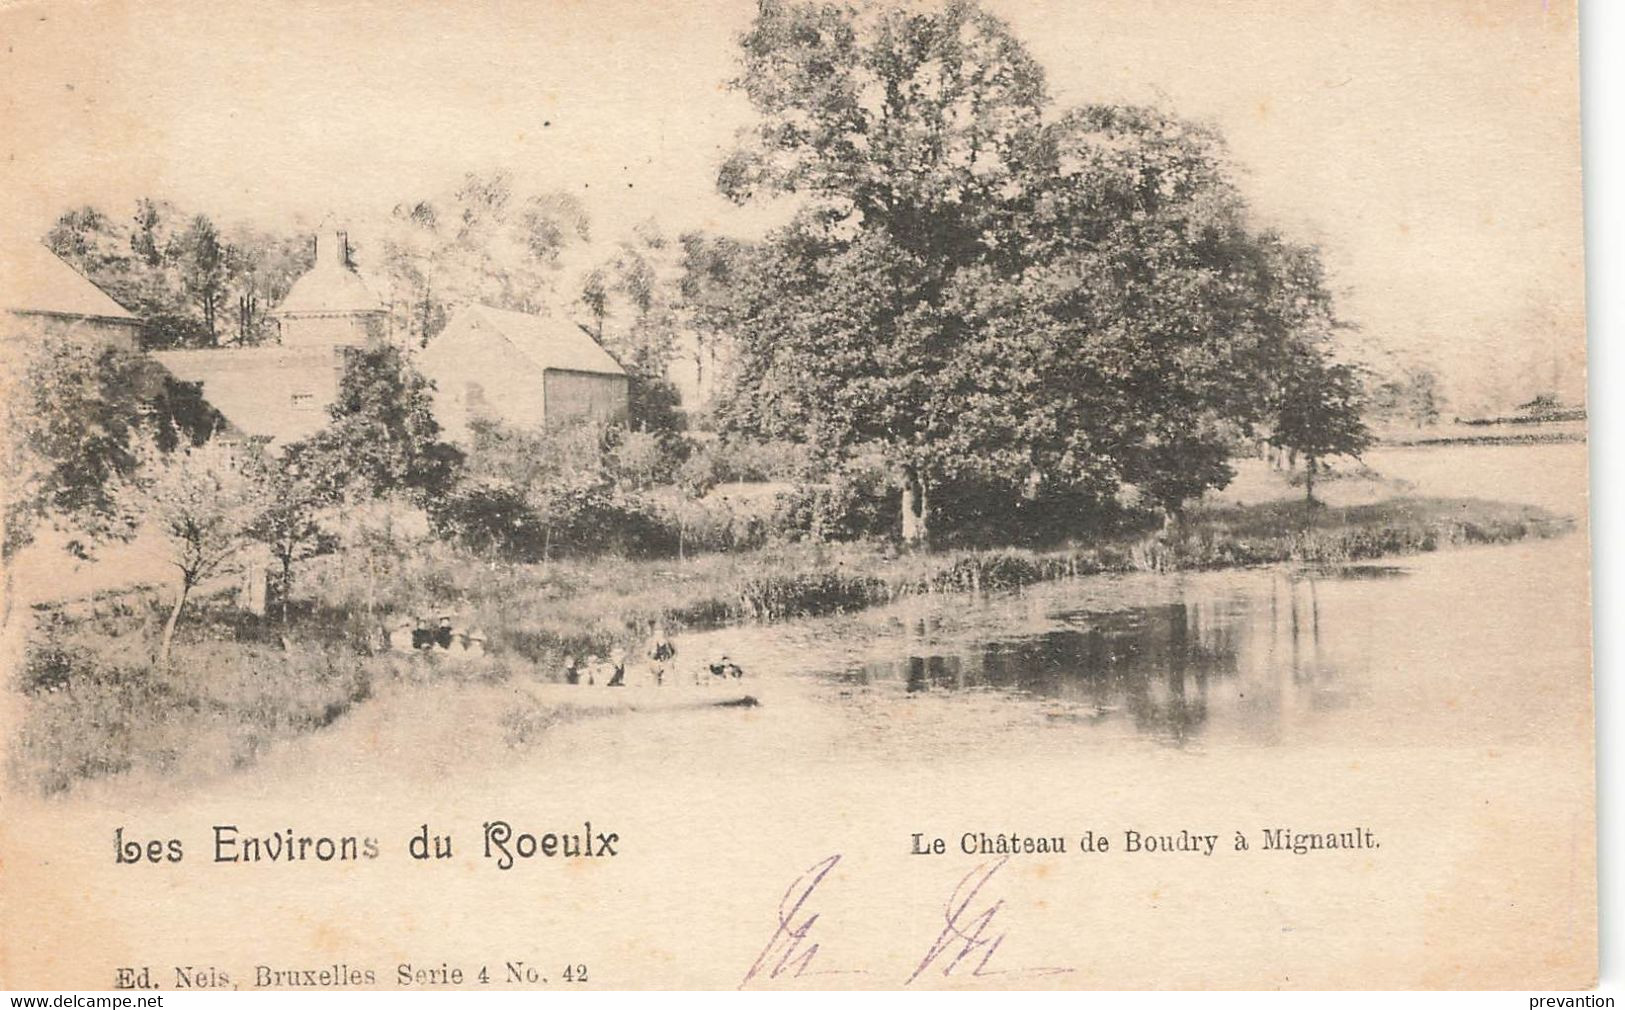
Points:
[(549, 495)]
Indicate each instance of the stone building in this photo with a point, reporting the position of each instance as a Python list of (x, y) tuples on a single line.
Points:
[(521, 369), (39, 292), (282, 391), (330, 305)]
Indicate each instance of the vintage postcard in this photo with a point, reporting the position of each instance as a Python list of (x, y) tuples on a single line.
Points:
[(772, 494)]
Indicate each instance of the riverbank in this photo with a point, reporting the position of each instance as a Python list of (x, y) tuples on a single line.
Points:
[(1501, 432), (95, 705)]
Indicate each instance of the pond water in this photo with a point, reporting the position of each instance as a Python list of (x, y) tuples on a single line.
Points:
[(1474, 645)]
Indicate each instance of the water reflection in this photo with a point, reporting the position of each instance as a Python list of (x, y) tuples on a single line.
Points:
[(1250, 661)]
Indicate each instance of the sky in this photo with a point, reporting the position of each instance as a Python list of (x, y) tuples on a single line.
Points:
[(1431, 150)]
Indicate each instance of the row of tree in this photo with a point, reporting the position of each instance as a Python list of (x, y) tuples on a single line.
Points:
[(483, 240), (194, 284)]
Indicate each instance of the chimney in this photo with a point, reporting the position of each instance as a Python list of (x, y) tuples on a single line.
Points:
[(333, 246)]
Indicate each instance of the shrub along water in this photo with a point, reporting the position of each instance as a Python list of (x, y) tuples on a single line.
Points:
[(98, 704)]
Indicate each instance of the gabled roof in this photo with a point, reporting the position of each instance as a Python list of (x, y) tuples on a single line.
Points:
[(33, 279), (548, 342)]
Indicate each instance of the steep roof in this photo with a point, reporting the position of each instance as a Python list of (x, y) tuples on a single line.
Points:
[(34, 279), (547, 341), (331, 286), (327, 289)]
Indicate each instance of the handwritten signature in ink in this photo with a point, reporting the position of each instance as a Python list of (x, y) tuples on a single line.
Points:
[(968, 934), (969, 938), (790, 952)]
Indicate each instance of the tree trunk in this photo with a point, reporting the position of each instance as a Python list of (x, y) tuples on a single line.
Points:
[(1309, 480), (169, 625), (912, 531), (916, 508), (287, 586), (925, 513), (8, 586)]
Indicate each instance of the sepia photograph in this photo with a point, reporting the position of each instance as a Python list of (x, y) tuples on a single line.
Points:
[(794, 494)]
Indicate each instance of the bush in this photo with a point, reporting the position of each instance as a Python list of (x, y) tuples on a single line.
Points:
[(745, 460), (852, 506), (488, 518), (639, 459), (778, 597)]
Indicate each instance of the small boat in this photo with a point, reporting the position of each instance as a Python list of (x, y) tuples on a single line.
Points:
[(644, 697)]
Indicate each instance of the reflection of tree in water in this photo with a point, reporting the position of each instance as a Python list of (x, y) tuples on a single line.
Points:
[(1257, 661), (1153, 663)]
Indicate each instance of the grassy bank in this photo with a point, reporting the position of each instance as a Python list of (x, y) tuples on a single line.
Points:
[(96, 704)]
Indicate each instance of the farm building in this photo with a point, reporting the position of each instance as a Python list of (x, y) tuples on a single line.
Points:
[(282, 391), (43, 293), (521, 369)]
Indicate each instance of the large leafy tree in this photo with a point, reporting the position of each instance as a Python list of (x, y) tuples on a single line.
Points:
[(71, 410), (905, 133), (986, 291), (382, 438), (1145, 333)]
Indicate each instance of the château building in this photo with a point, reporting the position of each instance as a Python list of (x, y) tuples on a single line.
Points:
[(281, 391)]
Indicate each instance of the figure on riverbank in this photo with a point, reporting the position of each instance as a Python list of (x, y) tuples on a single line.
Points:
[(400, 636), (661, 653), (422, 635), (726, 668)]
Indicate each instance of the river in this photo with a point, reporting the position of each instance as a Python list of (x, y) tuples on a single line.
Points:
[(1455, 645), (1442, 702)]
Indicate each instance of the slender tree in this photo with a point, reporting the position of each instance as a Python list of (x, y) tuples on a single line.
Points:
[(202, 259), (199, 501), (286, 515), (483, 240)]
